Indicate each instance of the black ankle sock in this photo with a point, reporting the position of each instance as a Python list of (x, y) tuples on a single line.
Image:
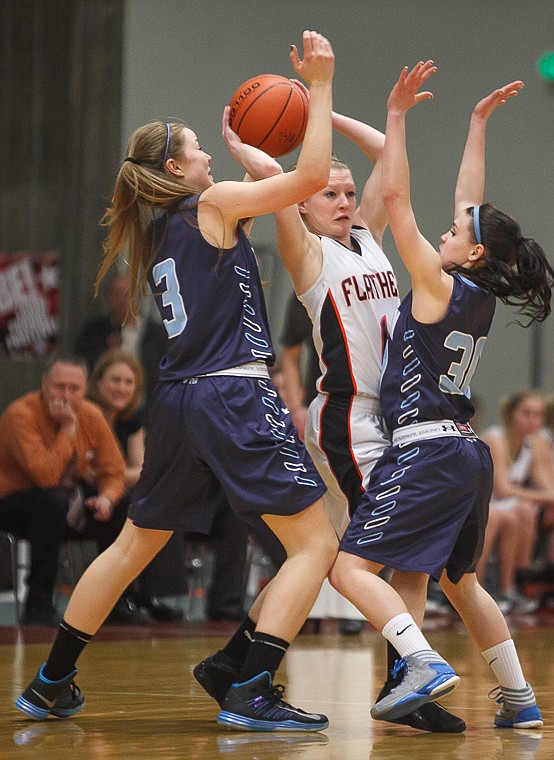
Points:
[(237, 647), (67, 647), (264, 653)]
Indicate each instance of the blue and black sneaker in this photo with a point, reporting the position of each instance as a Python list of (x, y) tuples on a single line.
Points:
[(256, 705), (216, 674), (44, 697)]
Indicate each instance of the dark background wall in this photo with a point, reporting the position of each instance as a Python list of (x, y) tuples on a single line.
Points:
[(60, 114), (185, 59), (94, 70)]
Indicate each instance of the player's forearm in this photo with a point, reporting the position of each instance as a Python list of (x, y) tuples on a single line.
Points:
[(368, 139), (470, 185)]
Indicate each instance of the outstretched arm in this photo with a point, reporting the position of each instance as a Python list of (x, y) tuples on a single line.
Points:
[(256, 163), (371, 212), (232, 201), (470, 185), (298, 248), (417, 253)]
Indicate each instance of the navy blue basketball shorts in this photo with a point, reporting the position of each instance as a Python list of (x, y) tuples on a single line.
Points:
[(425, 508), (221, 431)]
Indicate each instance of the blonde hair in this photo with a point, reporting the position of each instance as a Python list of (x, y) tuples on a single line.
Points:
[(142, 189), (337, 163), (103, 363), (509, 404)]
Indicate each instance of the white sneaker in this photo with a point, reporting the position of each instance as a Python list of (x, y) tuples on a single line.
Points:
[(426, 677), (514, 603)]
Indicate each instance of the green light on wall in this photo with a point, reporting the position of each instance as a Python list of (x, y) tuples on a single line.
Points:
[(545, 65)]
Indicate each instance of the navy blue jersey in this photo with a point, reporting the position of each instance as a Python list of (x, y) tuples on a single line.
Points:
[(428, 367), (210, 300)]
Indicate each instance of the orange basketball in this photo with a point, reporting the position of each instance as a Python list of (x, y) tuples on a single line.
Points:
[(269, 112)]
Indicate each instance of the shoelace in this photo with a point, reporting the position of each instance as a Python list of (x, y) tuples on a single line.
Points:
[(496, 694), (275, 693), (74, 689), (398, 666)]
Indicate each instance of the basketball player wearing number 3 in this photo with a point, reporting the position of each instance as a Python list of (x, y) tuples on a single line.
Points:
[(216, 418)]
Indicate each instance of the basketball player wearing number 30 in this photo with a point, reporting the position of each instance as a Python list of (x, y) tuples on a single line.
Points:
[(425, 508)]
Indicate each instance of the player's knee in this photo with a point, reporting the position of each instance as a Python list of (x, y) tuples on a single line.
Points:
[(138, 546), (338, 574), (467, 585), (323, 552), (330, 549)]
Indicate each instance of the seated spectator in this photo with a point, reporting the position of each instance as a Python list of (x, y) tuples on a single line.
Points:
[(116, 385), (549, 419), (523, 481), (50, 441), (145, 338), (544, 572)]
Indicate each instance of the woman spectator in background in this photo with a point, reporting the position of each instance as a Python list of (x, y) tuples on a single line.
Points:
[(542, 572), (523, 481), (116, 385)]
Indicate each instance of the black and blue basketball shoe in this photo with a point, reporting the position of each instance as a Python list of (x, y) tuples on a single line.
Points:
[(257, 705), (43, 697)]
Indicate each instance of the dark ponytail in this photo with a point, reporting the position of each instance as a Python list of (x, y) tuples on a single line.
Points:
[(513, 268)]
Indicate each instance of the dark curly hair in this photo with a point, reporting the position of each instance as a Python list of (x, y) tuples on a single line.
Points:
[(514, 268)]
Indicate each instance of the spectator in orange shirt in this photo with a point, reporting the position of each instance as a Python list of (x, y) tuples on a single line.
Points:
[(50, 441)]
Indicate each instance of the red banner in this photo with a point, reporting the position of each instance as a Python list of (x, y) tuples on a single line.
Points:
[(28, 303)]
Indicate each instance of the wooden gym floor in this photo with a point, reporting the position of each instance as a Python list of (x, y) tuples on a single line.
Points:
[(142, 701)]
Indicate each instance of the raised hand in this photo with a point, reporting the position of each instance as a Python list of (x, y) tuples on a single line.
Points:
[(256, 163), (230, 138), (404, 95), (319, 60), (470, 185), (486, 106), (62, 412)]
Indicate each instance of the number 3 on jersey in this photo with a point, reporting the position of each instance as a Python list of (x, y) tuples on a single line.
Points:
[(459, 374), (171, 297)]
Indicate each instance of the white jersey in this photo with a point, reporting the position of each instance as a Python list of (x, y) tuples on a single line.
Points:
[(518, 473), (352, 305)]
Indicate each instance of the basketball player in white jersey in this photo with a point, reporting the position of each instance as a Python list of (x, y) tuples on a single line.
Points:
[(331, 248)]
